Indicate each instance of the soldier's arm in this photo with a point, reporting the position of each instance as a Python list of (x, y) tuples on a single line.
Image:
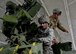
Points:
[(53, 38), (51, 34), (61, 27)]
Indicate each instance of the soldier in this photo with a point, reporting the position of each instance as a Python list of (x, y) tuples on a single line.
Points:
[(45, 35), (54, 22)]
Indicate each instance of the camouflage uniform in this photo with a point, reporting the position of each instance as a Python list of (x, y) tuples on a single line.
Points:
[(46, 37), (54, 23)]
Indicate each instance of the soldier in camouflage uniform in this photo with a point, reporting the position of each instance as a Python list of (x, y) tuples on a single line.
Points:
[(54, 22), (45, 35)]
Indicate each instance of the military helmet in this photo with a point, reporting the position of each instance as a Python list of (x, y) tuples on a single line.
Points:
[(56, 10), (43, 19)]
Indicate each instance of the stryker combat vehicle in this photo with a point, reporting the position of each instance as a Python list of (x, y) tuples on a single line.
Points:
[(16, 23)]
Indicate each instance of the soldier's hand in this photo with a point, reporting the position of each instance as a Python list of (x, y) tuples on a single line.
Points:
[(55, 41), (66, 31)]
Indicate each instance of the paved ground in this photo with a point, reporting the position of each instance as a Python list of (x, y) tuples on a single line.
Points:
[(69, 52)]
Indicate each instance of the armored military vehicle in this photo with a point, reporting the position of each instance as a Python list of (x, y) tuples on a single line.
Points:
[(16, 23)]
